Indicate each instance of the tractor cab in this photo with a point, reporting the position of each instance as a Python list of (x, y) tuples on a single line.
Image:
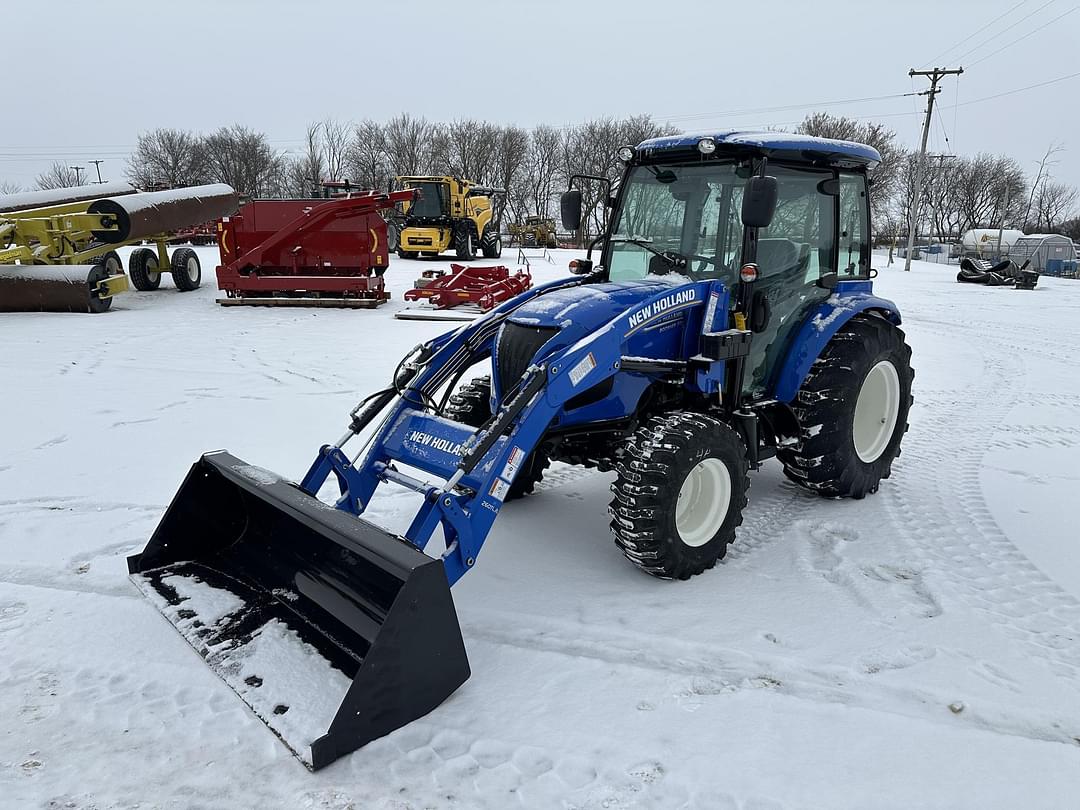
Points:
[(681, 210)]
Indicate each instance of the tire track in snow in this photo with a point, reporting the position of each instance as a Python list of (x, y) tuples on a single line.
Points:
[(943, 517), (714, 670)]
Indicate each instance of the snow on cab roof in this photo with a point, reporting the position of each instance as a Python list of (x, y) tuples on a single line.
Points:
[(773, 144)]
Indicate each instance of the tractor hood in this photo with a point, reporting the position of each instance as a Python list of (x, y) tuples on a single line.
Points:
[(578, 311)]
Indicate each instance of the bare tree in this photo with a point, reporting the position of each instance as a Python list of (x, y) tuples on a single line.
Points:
[(465, 148), (9, 187), (335, 135), (1048, 160), (886, 176), (408, 144), (59, 175), (368, 164), (167, 157), (245, 160), (540, 173), (1054, 203), (509, 153)]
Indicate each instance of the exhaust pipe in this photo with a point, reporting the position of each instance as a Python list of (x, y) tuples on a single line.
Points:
[(332, 630)]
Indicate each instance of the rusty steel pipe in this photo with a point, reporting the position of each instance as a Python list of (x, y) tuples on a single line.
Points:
[(138, 216), (56, 288), (28, 200)]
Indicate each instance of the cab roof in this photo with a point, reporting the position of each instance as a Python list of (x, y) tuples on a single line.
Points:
[(780, 145)]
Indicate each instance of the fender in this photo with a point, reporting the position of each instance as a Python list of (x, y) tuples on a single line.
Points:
[(850, 299)]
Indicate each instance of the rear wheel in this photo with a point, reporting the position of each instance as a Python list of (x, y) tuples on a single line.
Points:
[(681, 488), (853, 409), (471, 405), (143, 269), (186, 271), (491, 242), (463, 241)]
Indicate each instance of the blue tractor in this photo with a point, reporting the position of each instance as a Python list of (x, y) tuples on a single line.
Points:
[(728, 318)]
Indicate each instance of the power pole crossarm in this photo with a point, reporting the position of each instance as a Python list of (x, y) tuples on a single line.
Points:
[(935, 75)]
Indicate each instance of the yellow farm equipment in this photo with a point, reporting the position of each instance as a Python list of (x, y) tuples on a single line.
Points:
[(75, 232), (451, 213), (534, 232)]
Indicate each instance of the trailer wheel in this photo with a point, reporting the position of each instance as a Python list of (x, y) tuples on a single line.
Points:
[(186, 271), (96, 275), (471, 405), (393, 237), (111, 262), (491, 242), (853, 409), (679, 495), (143, 269), (463, 242)]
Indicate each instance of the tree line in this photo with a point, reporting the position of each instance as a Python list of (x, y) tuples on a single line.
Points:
[(534, 165)]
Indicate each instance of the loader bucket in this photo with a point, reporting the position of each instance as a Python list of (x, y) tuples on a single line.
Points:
[(332, 630)]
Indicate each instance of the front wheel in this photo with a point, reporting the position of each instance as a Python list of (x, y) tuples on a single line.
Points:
[(853, 409), (491, 243), (463, 242), (679, 496)]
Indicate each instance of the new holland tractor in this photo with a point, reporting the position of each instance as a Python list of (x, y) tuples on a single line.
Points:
[(450, 213), (727, 316)]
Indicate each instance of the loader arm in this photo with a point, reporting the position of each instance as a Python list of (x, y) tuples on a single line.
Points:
[(476, 468)]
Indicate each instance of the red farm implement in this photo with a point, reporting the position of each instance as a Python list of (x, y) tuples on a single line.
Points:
[(475, 289), (307, 252)]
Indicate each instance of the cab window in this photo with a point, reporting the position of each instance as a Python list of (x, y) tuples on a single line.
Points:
[(854, 229)]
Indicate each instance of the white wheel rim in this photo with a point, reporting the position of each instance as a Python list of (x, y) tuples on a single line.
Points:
[(193, 269), (151, 268), (703, 502), (876, 411)]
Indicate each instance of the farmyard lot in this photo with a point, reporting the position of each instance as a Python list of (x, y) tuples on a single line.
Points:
[(815, 667)]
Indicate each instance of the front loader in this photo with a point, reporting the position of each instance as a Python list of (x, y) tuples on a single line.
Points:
[(729, 318)]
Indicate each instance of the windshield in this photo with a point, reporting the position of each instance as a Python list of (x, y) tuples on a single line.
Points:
[(692, 211), (430, 200)]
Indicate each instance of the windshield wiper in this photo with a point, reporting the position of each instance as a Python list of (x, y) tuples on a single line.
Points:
[(676, 260)]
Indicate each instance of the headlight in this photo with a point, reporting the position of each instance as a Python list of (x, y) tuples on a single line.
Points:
[(706, 146), (625, 153)]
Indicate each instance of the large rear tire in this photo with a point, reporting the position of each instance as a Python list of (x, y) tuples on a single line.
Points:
[(463, 241), (853, 409), (186, 270), (471, 405), (143, 269), (491, 242), (681, 488)]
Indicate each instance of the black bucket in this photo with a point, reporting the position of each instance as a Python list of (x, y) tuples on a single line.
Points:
[(332, 630)]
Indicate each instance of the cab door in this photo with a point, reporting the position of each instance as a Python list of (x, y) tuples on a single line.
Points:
[(793, 253)]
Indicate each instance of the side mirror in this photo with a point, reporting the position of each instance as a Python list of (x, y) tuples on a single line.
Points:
[(570, 209), (759, 201)]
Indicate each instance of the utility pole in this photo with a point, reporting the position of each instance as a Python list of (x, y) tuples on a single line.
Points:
[(1001, 225), (941, 162), (97, 165), (935, 75), (78, 175)]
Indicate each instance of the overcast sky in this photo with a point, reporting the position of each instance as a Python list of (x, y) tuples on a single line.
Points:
[(85, 78)]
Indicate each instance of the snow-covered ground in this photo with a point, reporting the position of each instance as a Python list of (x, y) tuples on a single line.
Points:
[(920, 648)]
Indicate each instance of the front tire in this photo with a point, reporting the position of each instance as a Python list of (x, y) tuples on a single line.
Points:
[(853, 409), (679, 496)]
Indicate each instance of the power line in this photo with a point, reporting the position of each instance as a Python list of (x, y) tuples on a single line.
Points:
[(1028, 34), (783, 108), (976, 33), (1020, 89), (1003, 31)]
